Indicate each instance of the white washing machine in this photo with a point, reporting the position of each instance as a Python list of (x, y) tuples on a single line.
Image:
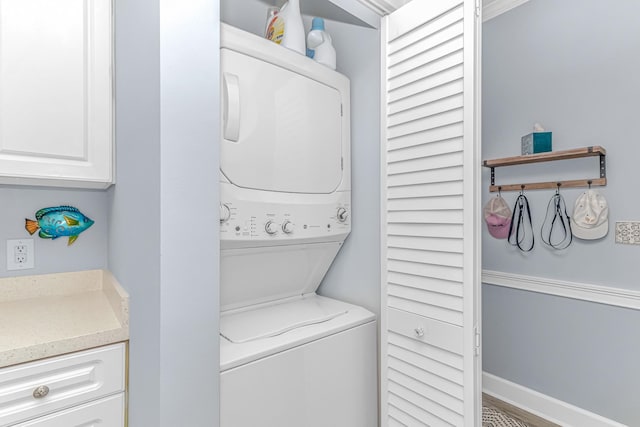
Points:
[(288, 357)]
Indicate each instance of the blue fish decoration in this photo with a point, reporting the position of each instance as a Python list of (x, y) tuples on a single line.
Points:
[(58, 221)]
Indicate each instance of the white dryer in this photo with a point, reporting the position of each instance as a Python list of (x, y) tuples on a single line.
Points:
[(288, 357)]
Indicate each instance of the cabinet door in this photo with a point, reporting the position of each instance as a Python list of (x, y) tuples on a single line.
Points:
[(56, 93), (107, 412), (429, 355)]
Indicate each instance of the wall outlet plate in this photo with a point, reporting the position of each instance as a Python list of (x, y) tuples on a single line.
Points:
[(20, 254), (628, 232)]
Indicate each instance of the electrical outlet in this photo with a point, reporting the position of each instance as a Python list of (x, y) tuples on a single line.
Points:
[(628, 232), (20, 254)]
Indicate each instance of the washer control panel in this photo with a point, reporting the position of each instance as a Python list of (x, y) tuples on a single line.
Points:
[(248, 220)]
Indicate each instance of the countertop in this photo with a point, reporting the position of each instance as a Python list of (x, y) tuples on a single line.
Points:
[(52, 314)]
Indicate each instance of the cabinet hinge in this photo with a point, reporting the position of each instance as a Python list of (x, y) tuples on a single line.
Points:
[(477, 342), (477, 8), (341, 163), (341, 113)]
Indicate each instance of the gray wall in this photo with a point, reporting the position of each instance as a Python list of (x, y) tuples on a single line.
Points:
[(54, 256), (189, 201), (576, 351), (165, 204), (355, 273), (572, 66), (134, 229)]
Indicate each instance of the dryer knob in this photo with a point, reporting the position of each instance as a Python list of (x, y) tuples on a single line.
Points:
[(225, 213), (270, 227), (342, 214), (287, 227)]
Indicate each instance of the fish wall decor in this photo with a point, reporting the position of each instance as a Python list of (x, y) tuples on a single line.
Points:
[(54, 222)]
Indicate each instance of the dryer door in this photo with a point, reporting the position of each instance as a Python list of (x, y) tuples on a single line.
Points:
[(281, 130)]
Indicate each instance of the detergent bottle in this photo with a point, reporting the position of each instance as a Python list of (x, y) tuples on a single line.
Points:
[(319, 45), (273, 25), (293, 37)]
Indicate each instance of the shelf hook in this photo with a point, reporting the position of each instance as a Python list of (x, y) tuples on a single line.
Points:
[(500, 191), (589, 182), (558, 188), (521, 189)]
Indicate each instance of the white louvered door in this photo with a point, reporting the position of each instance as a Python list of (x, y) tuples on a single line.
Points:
[(430, 362)]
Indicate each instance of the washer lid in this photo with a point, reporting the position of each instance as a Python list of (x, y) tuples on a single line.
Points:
[(276, 319), (281, 130)]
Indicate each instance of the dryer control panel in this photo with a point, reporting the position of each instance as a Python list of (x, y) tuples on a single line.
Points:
[(285, 219)]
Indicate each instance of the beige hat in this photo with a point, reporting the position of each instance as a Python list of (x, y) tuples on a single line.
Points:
[(497, 215), (590, 218)]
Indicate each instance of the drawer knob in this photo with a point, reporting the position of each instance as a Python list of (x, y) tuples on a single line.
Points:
[(41, 391), (419, 332)]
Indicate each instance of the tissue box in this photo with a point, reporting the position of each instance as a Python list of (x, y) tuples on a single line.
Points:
[(536, 142)]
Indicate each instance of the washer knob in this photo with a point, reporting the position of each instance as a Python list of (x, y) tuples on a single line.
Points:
[(225, 213), (270, 227), (342, 214), (287, 227)]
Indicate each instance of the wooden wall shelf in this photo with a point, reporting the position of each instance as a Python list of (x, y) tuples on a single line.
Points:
[(548, 157)]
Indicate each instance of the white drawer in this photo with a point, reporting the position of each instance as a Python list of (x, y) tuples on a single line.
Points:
[(71, 379), (426, 330), (107, 412)]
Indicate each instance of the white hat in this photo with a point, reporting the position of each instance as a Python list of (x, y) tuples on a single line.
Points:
[(590, 218)]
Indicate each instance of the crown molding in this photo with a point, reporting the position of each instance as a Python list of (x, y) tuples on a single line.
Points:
[(493, 8)]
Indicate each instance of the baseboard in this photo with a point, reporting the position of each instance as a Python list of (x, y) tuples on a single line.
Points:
[(544, 406), (582, 291)]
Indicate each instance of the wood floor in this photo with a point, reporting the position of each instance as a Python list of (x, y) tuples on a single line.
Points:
[(532, 420)]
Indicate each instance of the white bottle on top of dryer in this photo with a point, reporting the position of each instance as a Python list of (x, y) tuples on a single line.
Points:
[(319, 44), (293, 37)]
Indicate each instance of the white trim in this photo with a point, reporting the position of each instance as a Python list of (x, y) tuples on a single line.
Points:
[(491, 9), (626, 298), (472, 195), (383, 337), (549, 408), (384, 7)]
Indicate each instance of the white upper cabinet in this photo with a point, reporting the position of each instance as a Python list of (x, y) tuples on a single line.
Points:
[(56, 97)]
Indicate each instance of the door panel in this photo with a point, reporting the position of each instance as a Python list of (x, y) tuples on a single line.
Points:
[(429, 362), (272, 137)]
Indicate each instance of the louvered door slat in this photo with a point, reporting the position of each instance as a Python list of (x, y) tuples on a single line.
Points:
[(426, 217), (435, 299), (430, 284), (421, 308), (399, 418), (449, 97), (436, 163), (406, 389), (407, 104), (409, 407), (426, 83), (435, 381), (452, 407), (424, 243), (425, 177), (434, 257), (427, 28), (423, 71), (434, 203), (443, 118), (432, 359), (430, 275), (445, 188)]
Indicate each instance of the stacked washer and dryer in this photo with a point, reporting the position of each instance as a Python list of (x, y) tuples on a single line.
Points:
[(288, 357)]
